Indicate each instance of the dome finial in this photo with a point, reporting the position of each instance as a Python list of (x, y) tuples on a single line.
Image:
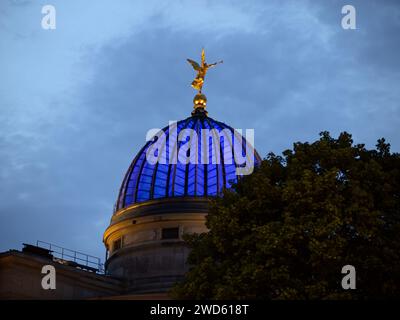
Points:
[(200, 99), (200, 103)]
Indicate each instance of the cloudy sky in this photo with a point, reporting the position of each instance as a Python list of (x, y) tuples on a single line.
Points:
[(77, 101)]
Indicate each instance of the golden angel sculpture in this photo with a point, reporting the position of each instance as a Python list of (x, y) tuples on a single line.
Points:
[(201, 71)]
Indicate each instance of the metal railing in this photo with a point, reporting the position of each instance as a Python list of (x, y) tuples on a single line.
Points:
[(82, 260)]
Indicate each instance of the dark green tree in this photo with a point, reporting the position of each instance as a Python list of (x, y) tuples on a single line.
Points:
[(286, 231)]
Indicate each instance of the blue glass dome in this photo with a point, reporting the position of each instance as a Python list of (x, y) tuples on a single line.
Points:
[(146, 181)]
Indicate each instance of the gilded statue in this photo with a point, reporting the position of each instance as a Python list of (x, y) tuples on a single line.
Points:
[(201, 71)]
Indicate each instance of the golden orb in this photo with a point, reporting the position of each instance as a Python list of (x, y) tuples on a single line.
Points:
[(200, 99), (200, 102)]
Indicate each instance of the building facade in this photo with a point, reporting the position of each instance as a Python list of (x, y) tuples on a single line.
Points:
[(159, 202)]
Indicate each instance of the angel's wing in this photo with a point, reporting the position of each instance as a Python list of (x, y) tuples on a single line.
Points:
[(194, 64), (214, 64)]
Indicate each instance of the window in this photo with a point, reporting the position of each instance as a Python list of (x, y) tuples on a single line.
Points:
[(170, 233), (117, 244)]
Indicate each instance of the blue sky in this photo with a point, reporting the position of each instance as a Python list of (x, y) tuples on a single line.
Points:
[(76, 102)]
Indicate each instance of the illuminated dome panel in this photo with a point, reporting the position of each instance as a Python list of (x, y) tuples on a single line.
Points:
[(145, 180)]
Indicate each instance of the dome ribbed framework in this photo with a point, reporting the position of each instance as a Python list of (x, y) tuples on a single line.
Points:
[(146, 181)]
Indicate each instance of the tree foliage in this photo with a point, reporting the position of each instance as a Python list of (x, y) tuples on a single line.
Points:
[(286, 231)]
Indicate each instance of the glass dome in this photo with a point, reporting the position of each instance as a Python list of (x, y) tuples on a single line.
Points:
[(146, 180)]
